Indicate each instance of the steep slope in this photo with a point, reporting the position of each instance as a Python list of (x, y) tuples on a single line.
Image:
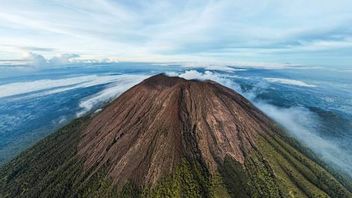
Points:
[(171, 137), (148, 130)]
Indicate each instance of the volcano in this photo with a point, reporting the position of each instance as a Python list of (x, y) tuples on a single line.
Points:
[(171, 137)]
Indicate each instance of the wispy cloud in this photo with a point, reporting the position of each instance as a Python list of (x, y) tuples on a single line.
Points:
[(50, 86), (289, 82), (267, 31), (121, 84)]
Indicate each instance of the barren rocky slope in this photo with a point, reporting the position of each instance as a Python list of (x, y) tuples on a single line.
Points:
[(168, 136)]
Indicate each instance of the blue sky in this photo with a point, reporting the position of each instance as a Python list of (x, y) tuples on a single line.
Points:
[(314, 32)]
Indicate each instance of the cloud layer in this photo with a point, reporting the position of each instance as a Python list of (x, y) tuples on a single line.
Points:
[(300, 123), (123, 83), (51, 86), (289, 82), (299, 32)]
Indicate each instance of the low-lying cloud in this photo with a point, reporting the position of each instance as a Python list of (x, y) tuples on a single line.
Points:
[(300, 122), (123, 83), (39, 60), (206, 75), (51, 86), (194, 74), (289, 82)]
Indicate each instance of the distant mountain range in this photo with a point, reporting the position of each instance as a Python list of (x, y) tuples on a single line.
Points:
[(171, 137)]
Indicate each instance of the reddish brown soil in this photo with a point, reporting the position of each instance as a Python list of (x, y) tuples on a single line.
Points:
[(144, 134)]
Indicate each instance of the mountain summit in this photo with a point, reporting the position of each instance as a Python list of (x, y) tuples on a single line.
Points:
[(147, 132), (171, 137)]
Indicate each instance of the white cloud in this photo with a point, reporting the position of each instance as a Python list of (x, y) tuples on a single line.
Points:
[(289, 82), (123, 83), (300, 124), (35, 59), (207, 75), (194, 74), (179, 30), (39, 60), (63, 59), (51, 86)]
